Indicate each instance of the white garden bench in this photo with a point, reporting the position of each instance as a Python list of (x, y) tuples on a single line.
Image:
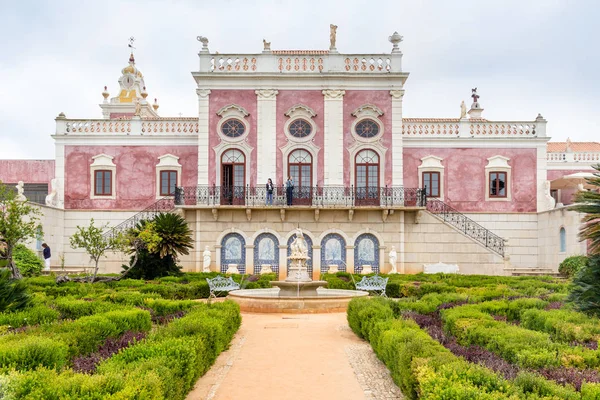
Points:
[(221, 284), (372, 284)]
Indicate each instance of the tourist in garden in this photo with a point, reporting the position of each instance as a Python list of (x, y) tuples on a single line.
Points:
[(289, 190), (46, 256), (269, 192)]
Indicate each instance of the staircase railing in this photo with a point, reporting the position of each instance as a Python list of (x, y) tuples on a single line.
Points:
[(166, 204), (466, 225)]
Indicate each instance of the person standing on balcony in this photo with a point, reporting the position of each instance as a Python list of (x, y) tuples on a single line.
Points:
[(289, 190), (269, 192), (46, 256)]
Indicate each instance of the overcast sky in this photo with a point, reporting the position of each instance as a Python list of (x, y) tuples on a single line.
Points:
[(526, 57)]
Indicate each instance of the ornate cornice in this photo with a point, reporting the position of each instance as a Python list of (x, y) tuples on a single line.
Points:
[(300, 107), (240, 109), (367, 108), (397, 94), (203, 93), (333, 93), (266, 93)]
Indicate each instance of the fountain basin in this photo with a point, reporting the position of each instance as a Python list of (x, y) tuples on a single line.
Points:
[(298, 289), (270, 301)]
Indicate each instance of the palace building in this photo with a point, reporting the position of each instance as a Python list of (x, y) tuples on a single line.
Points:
[(485, 195)]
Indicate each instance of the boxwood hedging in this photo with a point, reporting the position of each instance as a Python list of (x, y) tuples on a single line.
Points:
[(165, 365), (425, 369)]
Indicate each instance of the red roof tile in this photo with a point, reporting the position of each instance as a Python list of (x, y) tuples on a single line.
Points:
[(559, 147)]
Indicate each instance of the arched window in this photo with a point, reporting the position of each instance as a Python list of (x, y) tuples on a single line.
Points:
[(233, 251), (300, 169), (266, 251), (367, 177), (563, 240), (233, 177), (366, 252), (333, 251), (309, 244)]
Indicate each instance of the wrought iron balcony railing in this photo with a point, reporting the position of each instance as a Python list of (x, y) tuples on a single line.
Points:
[(466, 225), (314, 196)]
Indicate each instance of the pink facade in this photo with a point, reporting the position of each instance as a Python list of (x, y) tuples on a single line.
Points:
[(219, 99), (135, 174), (566, 194), (285, 100), (464, 178), (28, 171), (353, 99)]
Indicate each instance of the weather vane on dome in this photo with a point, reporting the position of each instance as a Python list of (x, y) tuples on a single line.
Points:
[(131, 40)]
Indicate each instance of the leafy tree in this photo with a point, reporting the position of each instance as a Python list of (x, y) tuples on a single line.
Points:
[(588, 202), (19, 221), (96, 244), (13, 293), (585, 291)]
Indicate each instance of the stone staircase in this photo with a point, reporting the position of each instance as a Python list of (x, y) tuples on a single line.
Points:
[(466, 226)]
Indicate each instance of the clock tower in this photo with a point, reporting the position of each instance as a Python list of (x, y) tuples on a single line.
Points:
[(131, 100)]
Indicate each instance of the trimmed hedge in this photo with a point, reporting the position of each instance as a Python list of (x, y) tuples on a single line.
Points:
[(165, 365), (562, 325), (424, 369), (39, 314), (471, 325)]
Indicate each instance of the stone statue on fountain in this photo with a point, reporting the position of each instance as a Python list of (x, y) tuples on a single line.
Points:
[(299, 248)]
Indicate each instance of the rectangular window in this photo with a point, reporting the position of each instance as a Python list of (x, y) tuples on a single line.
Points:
[(103, 183), (431, 182), (498, 184), (168, 182)]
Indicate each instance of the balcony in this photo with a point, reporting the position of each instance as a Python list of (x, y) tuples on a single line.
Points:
[(341, 197)]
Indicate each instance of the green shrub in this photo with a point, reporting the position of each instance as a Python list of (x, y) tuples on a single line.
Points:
[(30, 352), (27, 261), (73, 309), (364, 312), (570, 265), (585, 291), (562, 325), (39, 314), (14, 295), (165, 307)]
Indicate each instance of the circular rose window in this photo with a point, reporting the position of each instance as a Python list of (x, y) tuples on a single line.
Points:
[(300, 128), (233, 128), (367, 128)]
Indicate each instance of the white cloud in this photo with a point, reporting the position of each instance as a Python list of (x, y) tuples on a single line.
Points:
[(525, 56)]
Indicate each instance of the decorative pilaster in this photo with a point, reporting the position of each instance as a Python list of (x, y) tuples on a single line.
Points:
[(316, 272), (397, 157), (266, 134), (350, 259), (282, 262), (334, 137), (203, 133)]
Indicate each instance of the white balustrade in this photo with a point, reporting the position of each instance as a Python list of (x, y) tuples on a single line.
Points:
[(301, 62), (503, 128), (447, 128), (581, 157), (176, 126)]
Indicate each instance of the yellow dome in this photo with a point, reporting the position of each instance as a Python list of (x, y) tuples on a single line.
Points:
[(131, 68)]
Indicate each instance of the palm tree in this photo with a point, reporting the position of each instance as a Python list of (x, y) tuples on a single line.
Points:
[(175, 235), (588, 202)]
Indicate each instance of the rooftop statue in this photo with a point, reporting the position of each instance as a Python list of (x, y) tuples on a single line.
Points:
[(332, 33)]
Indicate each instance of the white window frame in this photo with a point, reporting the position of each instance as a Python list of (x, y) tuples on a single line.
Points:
[(300, 111), (432, 164), (498, 164), (103, 162), (167, 162)]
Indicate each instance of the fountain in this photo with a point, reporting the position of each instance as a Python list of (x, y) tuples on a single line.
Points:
[(298, 293)]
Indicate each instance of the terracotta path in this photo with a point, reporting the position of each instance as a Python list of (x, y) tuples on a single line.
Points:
[(289, 357)]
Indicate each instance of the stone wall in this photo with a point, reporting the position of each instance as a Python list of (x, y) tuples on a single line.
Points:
[(522, 231), (550, 223), (429, 241)]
